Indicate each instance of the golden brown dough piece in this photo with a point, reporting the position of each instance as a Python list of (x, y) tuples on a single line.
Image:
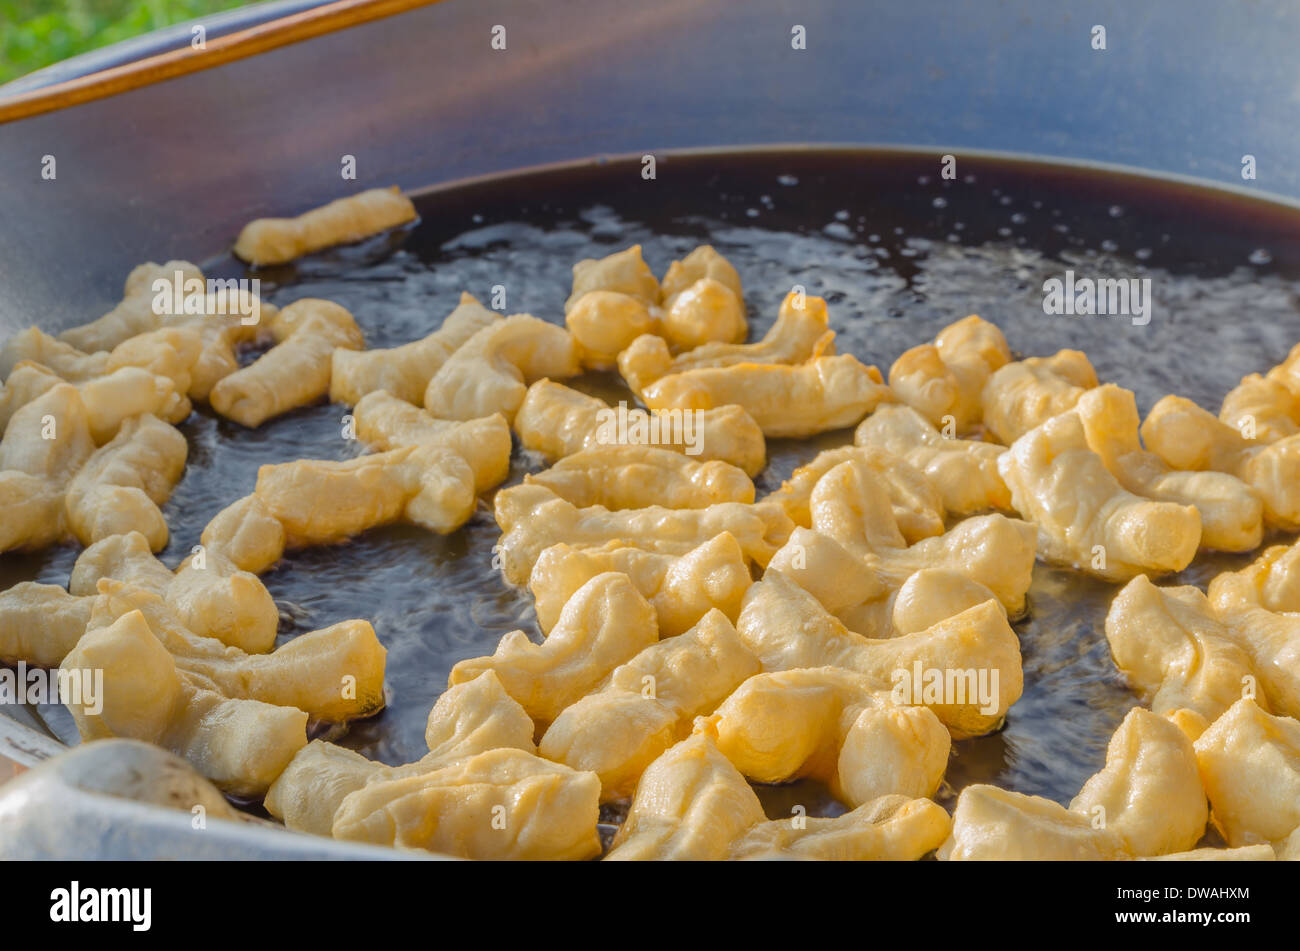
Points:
[(1085, 518), (824, 393), (1250, 765), (916, 504), (121, 486), (1188, 437), (44, 446), (944, 381), (385, 422), (534, 518), (648, 703), (1169, 644), (605, 323), (702, 301), (1147, 800), (681, 588), (210, 595), (558, 421), (293, 373), (334, 674), (964, 472), (629, 477), (320, 502), (1231, 511), (624, 272), (834, 725), (342, 221), (491, 372), (966, 668), (504, 804), (1023, 395), (109, 399), (606, 623), (41, 623), (468, 719), (1266, 408), (693, 805), (247, 534), (800, 333), (405, 371), (241, 745)]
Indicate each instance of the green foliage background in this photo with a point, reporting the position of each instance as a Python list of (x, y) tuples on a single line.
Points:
[(36, 33)]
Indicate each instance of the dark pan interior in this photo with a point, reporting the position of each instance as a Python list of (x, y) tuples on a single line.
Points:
[(897, 251)]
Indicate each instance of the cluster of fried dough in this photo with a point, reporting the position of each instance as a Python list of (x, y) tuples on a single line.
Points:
[(697, 639)]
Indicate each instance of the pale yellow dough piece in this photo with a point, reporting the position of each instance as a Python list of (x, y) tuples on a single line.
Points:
[(247, 534), (693, 805), (703, 262), (293, 373), (703, 301), (1270, 637), (558, 421), (41, 623), (122, 484), (385, 422), (1231, 511), (320, 502), (607, 622), (347, 220), (1147, 800), (1250, 766), (405, 371), (605, 323), (491, 371), (800, 333), (1172, 648), (240, 745), (1266, 408), (916, 504), (35, 346), (681, 588), (468, 719), (1247, 853), (35, 470), (1023, 395), (1188, 437), (964, 472), (210, 595), (624, 272), (823, 394), (1085, 518), (109, 399), (630, 477), (334, 674), (944, 381), (975, 653), (648, 704), (834, 725), (171, 352), (504, 804), (534, 518)]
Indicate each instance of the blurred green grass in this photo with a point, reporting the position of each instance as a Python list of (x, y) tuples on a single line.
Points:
[(36, 33)]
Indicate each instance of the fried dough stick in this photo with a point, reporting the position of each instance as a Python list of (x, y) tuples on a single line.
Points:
[(648, 703), (35, 470), (1146, 801), (946, 378), (468, 719), (266, 241), (405, 371), (121, 486), (606, 623), (680, 588), (558, 421), (692, 804), (630, 477), (801, 333), (293, 373), (1023, 395)]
